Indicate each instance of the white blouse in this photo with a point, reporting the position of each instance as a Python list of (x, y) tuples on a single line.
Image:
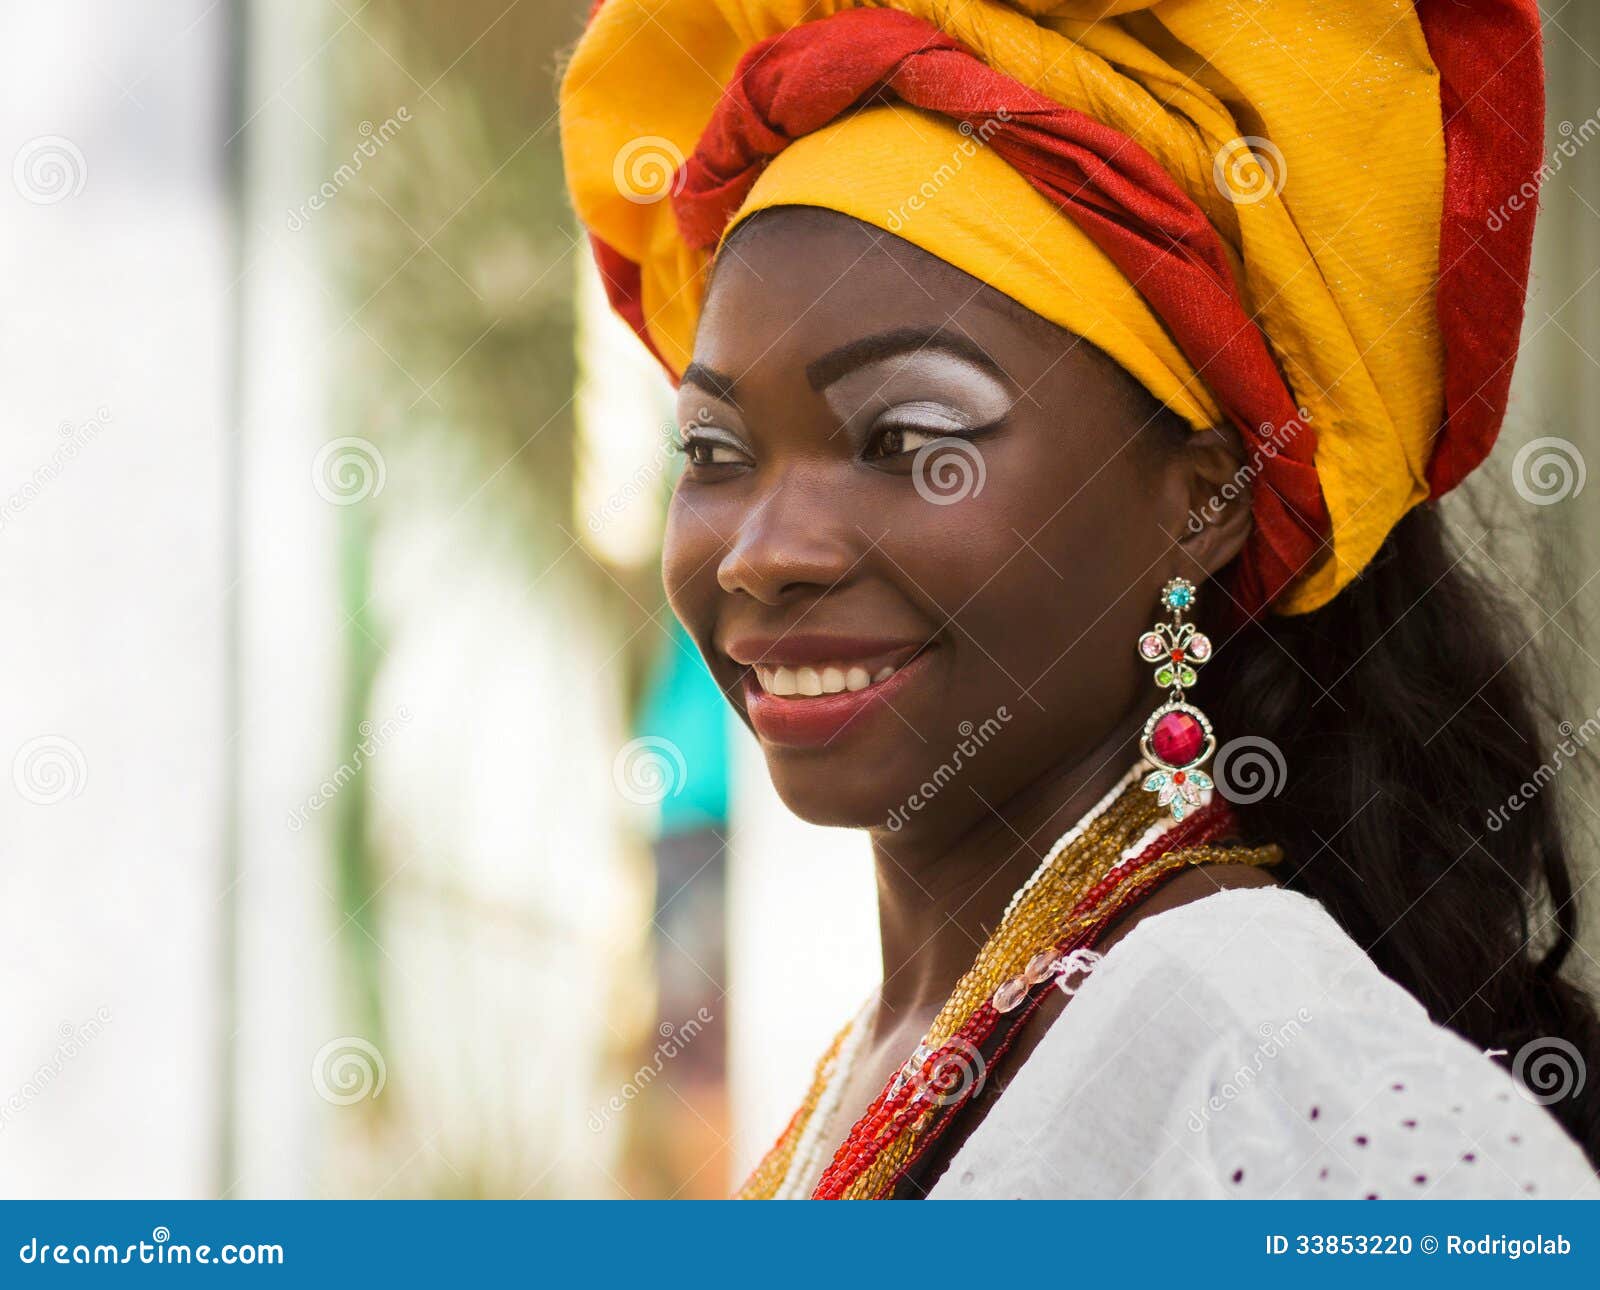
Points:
[(1243, 1045)]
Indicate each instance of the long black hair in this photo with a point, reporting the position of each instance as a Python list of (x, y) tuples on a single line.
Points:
[(1416, 742)]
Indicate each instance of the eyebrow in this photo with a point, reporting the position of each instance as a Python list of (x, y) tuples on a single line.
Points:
[(710, 380), (824, 371)]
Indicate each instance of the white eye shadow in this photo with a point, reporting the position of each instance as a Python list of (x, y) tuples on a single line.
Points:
[(944, 385)]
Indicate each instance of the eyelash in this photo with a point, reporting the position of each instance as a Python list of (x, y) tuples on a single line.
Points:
[(686, 444)]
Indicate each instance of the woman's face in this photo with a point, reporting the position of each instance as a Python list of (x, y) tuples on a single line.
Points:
[(915, 538)]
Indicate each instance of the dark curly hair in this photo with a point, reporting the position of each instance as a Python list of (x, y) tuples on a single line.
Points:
[(1409, 721)]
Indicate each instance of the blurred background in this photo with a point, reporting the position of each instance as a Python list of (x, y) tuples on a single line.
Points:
[(369, 828)]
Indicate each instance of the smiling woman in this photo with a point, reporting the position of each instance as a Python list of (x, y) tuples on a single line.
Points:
[(810, 534), (990, 344)]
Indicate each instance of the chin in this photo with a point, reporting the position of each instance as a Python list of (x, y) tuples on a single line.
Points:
[(839, 796)]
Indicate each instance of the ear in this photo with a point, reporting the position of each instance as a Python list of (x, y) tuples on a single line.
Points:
[(1215, 485)]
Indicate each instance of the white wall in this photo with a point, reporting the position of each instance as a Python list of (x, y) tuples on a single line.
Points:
[(113, 589)]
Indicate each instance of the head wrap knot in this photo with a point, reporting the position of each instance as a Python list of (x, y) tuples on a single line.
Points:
[(1270, 212)]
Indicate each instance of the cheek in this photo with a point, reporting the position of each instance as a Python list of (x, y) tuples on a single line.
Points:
[(690, 548), (1044, 571)]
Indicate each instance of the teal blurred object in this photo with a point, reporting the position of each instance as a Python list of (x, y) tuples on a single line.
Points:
[(682, 704)]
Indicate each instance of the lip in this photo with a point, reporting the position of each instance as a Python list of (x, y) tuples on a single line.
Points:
[(819, 720), (796, 649)]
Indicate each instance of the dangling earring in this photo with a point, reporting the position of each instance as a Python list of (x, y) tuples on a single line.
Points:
[(1177, 737)]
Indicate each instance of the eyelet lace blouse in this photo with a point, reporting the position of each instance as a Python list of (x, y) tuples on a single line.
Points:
[(1243, 1045)]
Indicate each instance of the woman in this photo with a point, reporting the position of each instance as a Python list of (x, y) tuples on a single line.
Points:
[(1064, 387)]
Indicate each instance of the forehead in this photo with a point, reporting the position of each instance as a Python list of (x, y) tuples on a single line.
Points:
[(792, 283)]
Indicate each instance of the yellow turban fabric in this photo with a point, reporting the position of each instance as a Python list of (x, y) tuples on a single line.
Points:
[(1324, 169)]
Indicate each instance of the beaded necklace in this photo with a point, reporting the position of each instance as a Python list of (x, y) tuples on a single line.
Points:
[(1122, 849)]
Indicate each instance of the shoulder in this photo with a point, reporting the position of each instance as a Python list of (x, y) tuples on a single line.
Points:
[(1326, 1078), (1243, 1045)]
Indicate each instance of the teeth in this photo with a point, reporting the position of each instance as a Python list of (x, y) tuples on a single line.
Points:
[(834, 678)]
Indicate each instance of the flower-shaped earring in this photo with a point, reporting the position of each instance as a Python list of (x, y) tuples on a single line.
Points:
[(1177, 738)]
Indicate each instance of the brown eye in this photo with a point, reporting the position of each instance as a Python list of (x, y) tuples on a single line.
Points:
[(896, 441), (701, 451), (889, 443)]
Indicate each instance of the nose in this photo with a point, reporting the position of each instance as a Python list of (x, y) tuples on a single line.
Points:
[(788, 544)]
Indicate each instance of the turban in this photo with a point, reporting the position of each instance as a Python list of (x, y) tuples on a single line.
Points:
[(1296, 217)]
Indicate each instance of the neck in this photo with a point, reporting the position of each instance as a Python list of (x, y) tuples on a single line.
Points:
[(941, 893)]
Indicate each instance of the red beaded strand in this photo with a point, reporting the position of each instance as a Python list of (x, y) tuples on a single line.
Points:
[(895, 1107)]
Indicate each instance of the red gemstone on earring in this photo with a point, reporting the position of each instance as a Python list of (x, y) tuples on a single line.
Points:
[(1177, 738), (1177, 656)]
